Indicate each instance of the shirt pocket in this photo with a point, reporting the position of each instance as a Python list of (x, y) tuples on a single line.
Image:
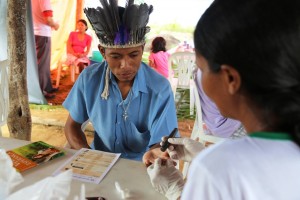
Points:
[(136, 141)]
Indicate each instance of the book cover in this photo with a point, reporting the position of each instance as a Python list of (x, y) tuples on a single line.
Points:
[(33, 154)]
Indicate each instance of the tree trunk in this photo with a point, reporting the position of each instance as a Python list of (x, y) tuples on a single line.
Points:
[(19, 118)]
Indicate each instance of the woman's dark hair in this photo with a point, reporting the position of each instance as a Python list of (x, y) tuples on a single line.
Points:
[(261, 40), (84, 22), (158, 44)]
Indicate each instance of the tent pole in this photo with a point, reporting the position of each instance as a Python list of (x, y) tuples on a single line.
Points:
[(79, 10)]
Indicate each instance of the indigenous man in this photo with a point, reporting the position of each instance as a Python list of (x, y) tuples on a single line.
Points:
[(129, 104)]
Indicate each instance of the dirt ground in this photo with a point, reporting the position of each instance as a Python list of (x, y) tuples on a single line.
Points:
[(48, 124)]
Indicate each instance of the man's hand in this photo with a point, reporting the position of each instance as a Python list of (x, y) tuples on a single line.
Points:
[(55, 26), (152, 154), (184, 148)]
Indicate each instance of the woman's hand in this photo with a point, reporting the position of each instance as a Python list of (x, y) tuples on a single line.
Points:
[(165, 178)]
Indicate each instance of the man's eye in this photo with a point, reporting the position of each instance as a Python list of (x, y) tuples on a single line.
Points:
[(115, 56), (133, 55)]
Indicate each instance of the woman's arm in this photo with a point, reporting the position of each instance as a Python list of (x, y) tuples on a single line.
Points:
[(152, 64), (69, 46), (88, 48)]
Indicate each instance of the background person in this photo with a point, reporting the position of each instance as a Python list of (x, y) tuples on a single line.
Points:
[(257, 70), (78, 46), (130, 106), (216, 124), (42, 23), (158, 58)]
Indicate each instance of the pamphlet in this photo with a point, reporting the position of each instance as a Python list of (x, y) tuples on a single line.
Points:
[(33, 154), (89, 165)]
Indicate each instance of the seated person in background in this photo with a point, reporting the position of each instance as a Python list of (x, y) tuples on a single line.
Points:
[(78, 46), (158, 58), (130, 106), (216, 124), (252, 76)]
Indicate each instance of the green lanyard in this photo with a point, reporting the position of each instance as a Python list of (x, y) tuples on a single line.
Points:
[(271, 135)]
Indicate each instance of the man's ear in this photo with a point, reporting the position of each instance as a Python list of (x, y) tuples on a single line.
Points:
[(102, 50), (231, 78)]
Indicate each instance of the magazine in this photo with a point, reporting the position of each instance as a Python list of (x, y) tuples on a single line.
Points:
[(89, 165), (33, 154)]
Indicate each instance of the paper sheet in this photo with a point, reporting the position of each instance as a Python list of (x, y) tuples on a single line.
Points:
[(89, 165)]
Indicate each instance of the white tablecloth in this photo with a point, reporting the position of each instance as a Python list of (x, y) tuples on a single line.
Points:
[(130, 174)]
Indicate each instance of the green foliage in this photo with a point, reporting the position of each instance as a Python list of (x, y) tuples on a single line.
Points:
[(45, 107), (182, 101), (145, 57), (171, 27)]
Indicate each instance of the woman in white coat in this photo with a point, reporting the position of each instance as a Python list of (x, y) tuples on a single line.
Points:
[(249, 55)]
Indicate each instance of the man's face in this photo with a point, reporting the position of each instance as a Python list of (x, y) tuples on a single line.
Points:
[(123, 62)]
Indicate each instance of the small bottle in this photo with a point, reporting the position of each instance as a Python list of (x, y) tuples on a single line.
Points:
[(184, 43)]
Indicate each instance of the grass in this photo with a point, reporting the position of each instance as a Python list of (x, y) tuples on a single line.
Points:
[(182, 102), (44, 107)]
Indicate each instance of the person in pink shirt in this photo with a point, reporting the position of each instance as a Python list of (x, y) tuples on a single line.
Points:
[(78, 46), (158, 58)]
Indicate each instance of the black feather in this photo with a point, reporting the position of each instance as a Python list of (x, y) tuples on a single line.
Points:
[(115, 12), (112, 27)]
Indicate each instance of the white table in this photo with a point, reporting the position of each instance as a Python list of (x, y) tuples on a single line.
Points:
[(130, 174)]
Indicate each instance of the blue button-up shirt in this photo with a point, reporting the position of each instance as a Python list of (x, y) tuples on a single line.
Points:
[(151, 110)]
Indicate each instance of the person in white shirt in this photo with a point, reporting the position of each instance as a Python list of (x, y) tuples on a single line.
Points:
[(248, 53), (43, 23)]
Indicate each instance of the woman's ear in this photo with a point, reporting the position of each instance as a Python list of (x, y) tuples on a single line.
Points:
[(102, 50), (231, 78)]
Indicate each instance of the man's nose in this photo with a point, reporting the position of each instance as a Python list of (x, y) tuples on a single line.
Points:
[(123, 63)]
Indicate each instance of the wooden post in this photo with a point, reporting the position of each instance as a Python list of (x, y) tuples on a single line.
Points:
[(79, 10), (19, 118)]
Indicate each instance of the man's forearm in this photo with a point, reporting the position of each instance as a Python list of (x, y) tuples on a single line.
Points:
[(76, 138), (50, 22)]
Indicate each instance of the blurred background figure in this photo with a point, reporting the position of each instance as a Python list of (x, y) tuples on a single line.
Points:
[(78, 46), (215, 123), (158, 58), (43, 22)]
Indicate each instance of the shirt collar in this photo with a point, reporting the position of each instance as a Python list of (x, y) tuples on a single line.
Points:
[(271, 135)]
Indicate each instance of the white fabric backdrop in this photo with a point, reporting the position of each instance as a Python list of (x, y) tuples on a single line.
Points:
[(34, 91)]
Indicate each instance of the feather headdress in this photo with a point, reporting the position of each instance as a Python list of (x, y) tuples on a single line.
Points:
[(119, 27)]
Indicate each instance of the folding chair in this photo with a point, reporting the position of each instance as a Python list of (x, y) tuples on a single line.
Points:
[(73, 69), (182, 63)]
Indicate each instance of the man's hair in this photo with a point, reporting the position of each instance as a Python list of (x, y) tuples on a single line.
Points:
[(118, 27), (261, 40)]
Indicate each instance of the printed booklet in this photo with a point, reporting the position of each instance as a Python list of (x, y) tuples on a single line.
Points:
[(89, 165), (33, 154)]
